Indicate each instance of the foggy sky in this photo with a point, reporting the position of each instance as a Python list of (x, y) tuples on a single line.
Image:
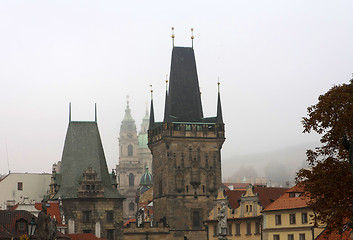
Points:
[(273, 59)]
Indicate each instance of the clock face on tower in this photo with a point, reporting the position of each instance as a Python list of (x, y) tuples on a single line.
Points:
[(129, 135)]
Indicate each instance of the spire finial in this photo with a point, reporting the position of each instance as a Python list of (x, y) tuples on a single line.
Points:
[(151, 91), (218, 83), (166, 82), (192, 37), (95, 112), (173, 36), (69, 111), (127, 100)]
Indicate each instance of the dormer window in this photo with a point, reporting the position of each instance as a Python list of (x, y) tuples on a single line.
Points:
[(21, 225)]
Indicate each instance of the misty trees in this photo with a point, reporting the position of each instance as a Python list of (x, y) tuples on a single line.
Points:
[(328, 181)]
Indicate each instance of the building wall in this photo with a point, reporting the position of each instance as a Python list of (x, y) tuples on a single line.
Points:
[(34, 186), (286, 228), (74, 209), (249, 212)]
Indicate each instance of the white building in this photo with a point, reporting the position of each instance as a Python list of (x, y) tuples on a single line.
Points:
[(14, 187)]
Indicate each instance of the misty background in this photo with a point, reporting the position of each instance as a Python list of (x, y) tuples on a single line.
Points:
[(273, 59)]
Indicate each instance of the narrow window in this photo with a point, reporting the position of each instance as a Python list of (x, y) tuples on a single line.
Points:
[(290, 237), (130, 152), (304, 218), (19, 186), (187, 188), (110, 234), (86, 216), (301, 236), (203, 188), (276, 237), (278, 219), (131, 180), (131, 206), (215, 232), (110, 216), (196, 218), (248, 228), (237, 229), (292, 218), (250, 208), (230, 229), (257, 228)]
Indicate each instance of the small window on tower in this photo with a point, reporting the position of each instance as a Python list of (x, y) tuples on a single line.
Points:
[(130, 152), (131, 180)]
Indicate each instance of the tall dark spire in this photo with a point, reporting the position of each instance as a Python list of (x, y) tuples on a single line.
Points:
[(151, 112), (219, 107), (184, 100)]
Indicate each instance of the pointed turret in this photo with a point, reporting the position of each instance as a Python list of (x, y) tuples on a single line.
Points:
[(151, 113), (184, 100), (166, 108), (219, 108)]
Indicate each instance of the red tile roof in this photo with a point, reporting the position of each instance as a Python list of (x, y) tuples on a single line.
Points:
[(334, 235), (53, 210), (84, 236), (287, 202), (132, 220), (266, 195), (4, 234), (8, 220)]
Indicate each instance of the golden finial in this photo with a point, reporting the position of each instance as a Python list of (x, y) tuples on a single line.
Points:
[(173, 36), (218, 83), (166, 81), (192, 37), (151, 91)]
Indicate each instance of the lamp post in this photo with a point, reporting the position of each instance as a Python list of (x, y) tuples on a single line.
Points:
[(32, 228)]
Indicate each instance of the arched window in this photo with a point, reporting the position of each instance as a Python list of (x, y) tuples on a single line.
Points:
[(130, 151), (131, 206), (131, 179)]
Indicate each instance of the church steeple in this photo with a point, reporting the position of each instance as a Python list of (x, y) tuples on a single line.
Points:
[(183, 98)]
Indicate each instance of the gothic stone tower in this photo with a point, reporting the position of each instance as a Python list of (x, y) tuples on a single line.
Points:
[(186, 152), (130, 168)]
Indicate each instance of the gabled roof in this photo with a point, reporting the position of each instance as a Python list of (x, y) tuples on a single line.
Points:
[(82, 149), (183, 101), (288, 202), (266, 195)]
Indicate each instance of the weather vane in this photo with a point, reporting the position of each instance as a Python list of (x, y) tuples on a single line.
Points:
[(218, 84)]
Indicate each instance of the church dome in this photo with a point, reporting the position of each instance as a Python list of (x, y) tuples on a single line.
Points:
[(146, 179)]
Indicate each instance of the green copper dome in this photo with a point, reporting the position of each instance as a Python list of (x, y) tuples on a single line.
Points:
[(146, 179)]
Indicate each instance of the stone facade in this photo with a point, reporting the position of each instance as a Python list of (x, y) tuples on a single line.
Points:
[(187, 173), (102, 217)]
